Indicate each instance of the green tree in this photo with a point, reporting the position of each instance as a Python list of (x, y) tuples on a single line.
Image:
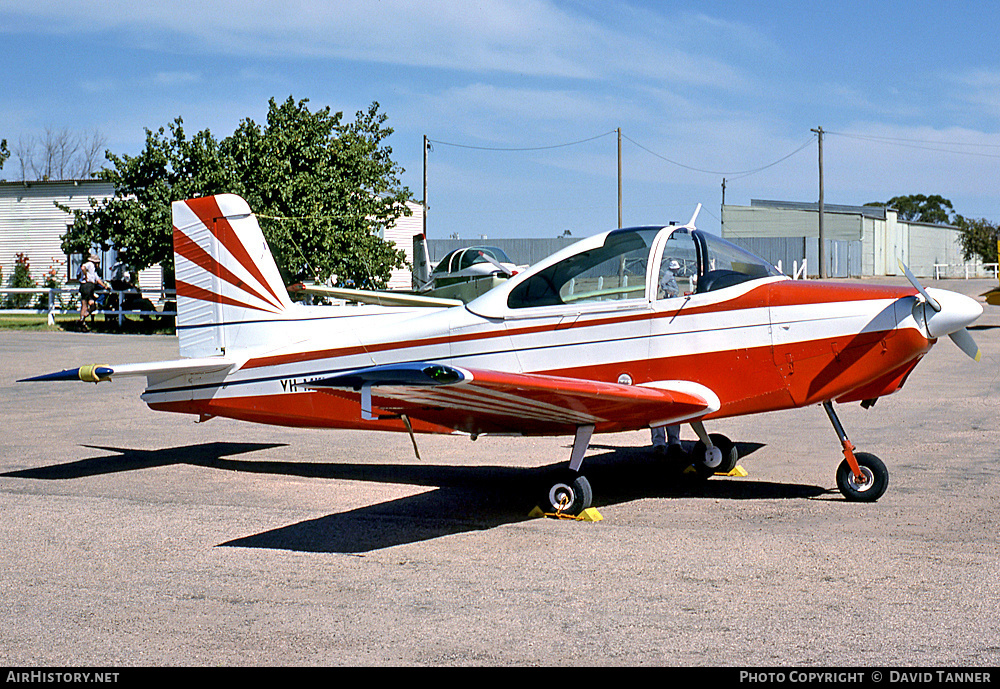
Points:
[(322, 190), (4, 153), (979, 238), (137, 219), (919, 208), (333, 184)]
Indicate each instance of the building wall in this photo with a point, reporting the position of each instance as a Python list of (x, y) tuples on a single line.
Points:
[(401, 234), (935, 244), (754, 221), (31, 224), (878, 234)]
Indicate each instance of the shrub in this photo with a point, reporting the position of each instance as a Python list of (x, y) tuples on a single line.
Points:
[(21, 278)]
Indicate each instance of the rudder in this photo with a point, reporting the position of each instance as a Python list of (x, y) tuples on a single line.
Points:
[(226, 278)]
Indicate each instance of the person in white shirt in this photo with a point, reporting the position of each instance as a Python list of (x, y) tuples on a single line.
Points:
[(90, 280)]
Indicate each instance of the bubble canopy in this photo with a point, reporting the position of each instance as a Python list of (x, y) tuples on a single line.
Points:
[(616, 267)]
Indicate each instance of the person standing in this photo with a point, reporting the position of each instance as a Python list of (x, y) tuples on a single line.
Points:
[(90, 280), (667, 440)]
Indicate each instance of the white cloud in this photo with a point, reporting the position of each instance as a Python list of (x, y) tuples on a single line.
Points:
[(537, 38), (979, 89)]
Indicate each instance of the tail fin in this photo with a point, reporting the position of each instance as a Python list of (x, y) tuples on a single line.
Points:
[(421, 264), (228, 286)]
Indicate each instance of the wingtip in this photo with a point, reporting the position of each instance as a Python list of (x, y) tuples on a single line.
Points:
[(88, 374)]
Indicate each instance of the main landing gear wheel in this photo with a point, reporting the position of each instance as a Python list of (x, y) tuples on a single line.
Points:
[(570, 493), (875, 474), (720, 458)]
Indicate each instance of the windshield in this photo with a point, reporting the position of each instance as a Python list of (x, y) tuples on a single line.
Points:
[(723, 264), (460, 259), (614, 271)]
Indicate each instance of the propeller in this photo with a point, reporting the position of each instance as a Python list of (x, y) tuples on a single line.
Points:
[(950, 314), (965, 342)]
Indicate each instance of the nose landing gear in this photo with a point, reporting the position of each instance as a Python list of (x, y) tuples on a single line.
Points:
[(861, 477)]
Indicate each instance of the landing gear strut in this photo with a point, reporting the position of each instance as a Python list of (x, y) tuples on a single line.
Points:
[(570, 493), (861, 477)]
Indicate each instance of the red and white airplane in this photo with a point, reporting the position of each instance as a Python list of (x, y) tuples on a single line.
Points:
[(626, 330)]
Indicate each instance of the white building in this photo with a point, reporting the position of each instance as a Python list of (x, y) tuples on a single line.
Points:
[(401, 234), (861, 240), (30, 223)]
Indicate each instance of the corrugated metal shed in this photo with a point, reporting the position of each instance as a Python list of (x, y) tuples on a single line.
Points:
[(864, 240), (790, 220)]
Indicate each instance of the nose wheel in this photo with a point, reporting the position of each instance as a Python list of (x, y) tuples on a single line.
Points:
[(867, 489), (861, 477)]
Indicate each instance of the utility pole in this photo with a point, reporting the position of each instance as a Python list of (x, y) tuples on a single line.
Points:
[(619, 177), (425, 186), (722, 211), (822, 235)]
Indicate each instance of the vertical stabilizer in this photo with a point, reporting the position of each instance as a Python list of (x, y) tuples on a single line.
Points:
[(229, 291), (421, 264)]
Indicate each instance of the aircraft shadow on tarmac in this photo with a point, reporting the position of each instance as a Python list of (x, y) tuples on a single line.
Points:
[(465, 498)]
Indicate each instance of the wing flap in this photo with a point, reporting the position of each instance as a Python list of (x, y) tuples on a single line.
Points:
[(486, 401)]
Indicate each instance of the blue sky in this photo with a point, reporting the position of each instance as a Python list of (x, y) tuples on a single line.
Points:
[(908, 91)]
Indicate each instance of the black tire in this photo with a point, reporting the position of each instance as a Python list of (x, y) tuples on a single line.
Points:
[(730, 456), (570, 493), (871, 490)]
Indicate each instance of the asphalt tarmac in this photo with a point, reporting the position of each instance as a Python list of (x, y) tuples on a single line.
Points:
[(136, 538)]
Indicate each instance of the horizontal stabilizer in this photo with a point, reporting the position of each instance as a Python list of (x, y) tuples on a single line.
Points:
[(379, 298), (154, 370)]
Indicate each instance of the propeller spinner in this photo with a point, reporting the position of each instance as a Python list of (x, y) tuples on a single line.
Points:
[(948, 313)]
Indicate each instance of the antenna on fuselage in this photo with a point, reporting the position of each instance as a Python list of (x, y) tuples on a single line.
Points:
[(694, 217)]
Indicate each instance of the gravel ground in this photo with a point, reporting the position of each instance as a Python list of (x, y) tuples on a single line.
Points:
[(132, 538)]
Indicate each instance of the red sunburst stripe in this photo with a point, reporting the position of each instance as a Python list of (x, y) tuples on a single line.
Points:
[(190, 250), (207, 210), (186, 290)]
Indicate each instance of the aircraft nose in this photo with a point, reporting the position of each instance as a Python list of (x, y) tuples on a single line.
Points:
[(957, 312)]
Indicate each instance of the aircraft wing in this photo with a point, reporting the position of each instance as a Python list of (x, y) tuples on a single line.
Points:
[(485, 401), (380, 298)]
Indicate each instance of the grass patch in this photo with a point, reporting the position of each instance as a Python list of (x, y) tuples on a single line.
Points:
[(70, 323)]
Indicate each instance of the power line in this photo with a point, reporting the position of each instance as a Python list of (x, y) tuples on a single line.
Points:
[(731, 175), (734, 175), (529, 148), (924, 144)]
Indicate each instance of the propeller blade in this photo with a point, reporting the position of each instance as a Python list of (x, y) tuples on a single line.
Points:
[(964, 340), (931, 301)]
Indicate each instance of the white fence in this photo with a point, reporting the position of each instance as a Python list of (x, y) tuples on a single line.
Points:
[(945, 270), (55, 302)]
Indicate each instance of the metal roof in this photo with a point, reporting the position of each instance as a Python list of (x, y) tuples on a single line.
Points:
[(867, 211)]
